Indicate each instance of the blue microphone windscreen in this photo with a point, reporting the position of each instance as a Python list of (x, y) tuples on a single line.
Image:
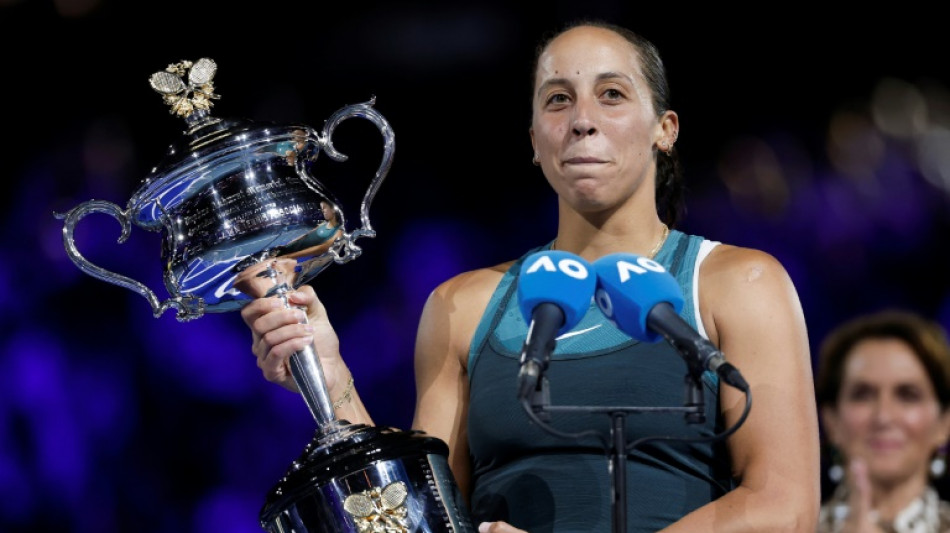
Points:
[(629, 286), (558, 277)]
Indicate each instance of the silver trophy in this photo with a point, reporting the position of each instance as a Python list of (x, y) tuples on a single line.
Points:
[(241, 215)]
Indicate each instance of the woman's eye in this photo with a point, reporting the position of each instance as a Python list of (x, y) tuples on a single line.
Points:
[(859, 393), (613, 94), (910, 394), (558, 98)]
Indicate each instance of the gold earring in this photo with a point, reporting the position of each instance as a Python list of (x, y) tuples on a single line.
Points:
[(666, 147)]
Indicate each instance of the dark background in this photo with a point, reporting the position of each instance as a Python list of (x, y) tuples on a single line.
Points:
[(820, 137)]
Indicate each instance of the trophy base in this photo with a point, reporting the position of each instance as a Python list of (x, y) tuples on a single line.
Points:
[(357, 478)]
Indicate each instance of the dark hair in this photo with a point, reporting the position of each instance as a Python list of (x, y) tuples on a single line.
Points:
[(926, 338), (670, 187)]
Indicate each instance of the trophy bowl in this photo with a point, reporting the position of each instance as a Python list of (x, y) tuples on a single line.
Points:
[(232, 193), (241, 215)]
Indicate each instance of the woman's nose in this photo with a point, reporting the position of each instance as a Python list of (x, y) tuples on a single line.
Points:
[(582, 128), (583, 123), (883, 410)]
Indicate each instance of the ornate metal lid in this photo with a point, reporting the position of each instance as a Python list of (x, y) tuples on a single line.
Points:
[(209, 149)]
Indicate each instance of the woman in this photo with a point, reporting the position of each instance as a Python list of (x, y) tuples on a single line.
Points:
[(883, 387), (603, 136)]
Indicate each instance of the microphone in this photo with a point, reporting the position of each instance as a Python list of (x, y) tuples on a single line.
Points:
[(643, 300), (554, 292)]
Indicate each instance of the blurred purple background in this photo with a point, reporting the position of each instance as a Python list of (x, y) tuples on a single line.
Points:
[(819, 137)]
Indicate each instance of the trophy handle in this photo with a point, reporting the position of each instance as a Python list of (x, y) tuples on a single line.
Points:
[(74, 215), (362, 110)]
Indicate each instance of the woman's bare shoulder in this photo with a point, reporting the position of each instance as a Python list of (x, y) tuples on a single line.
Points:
[(744, 285), (454, 309), (728, 263), (472, 283)]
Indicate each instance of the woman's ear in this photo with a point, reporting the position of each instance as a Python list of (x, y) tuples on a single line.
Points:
[(942, 435), (830, 423), (669, 128), (536, 159)]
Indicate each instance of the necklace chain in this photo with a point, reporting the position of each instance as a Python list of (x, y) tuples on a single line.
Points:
[(666, 233), (653, 252)]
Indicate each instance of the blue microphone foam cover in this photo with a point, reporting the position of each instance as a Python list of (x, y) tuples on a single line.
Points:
[(629, 286), (558, 277)]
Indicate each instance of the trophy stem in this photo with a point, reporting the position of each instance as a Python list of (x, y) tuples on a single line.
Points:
[(306, 369), (308, 375)]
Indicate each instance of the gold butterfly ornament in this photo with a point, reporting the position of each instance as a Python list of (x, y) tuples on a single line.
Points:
[(380, 510)]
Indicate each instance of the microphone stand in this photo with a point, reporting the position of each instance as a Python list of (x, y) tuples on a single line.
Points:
[(537, 405), (618, 465)]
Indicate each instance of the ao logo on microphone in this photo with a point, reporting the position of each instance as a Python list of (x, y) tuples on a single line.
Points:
[(624, 271), (568, 265), (559, 278)]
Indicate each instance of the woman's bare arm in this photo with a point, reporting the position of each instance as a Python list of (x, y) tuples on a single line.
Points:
[(751, 311), (449, 319)]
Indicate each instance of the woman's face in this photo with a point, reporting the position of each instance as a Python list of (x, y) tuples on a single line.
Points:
[(593, 127), (887, 411)]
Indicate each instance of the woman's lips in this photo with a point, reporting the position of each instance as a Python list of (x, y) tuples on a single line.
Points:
[(583, 161), (884, 445)]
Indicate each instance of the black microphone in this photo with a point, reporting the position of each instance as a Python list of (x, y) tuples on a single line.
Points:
[(554, 292), (641, 298)]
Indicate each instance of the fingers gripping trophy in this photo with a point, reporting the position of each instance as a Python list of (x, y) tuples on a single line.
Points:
[(241, 215)]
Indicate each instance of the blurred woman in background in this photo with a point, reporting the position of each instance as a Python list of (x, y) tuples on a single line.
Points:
[(883, 390)]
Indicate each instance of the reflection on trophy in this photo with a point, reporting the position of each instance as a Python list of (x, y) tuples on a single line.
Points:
[(241, 216)]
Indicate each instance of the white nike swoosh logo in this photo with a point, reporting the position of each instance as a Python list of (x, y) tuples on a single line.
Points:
[(579, 332)]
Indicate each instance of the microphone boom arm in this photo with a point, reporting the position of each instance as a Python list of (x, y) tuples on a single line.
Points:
[(700, 354)]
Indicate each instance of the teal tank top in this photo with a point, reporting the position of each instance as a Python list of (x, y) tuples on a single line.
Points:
[(547, 483)]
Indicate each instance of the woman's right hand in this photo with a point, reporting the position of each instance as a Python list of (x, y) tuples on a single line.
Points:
[(861, 516), (278, 331)]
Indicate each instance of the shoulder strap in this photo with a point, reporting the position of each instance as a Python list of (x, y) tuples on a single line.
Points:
[(494, 312)]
